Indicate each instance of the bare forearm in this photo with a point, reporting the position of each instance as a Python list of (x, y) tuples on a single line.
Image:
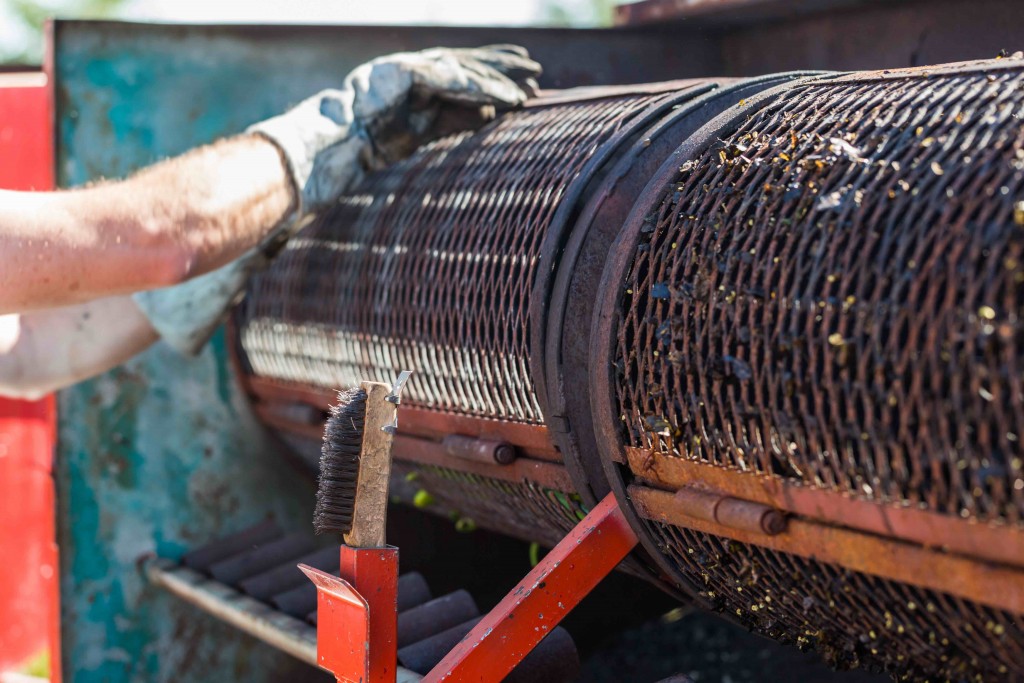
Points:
[(177, 219)]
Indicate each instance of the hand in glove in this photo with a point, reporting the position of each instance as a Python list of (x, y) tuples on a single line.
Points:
[(388, 107), (384, 110)]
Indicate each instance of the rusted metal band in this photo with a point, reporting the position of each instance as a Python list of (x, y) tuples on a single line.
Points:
[(985, 583), (425, 452), (532, 440), (988, 541)]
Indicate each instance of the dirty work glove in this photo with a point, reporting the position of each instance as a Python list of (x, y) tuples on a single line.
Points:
[(387, 108), (384, 110), (186, 315)]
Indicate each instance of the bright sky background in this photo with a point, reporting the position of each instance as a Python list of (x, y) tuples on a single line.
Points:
[(13, 37)]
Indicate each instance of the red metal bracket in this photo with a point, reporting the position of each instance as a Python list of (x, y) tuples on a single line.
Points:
[(557, 584), (357, 615)]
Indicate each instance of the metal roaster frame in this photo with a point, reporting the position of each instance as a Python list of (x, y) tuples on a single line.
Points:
[(579, 257), (651, 133), (981, 562)]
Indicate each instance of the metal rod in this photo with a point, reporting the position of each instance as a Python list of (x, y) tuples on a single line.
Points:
[(988, 541), (479, 450), (258, 620), (533, 440), (425, 452), (534, 608), (989, 584)]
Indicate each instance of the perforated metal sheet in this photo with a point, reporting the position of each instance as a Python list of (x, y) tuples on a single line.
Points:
[(834, 294), (830, 291), (853, 619), (430, 265)]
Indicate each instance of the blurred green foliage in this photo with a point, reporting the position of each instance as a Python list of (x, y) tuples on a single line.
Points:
[(29, 18), (596, 13)]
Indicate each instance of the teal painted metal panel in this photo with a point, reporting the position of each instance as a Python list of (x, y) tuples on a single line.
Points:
[(164, 453)]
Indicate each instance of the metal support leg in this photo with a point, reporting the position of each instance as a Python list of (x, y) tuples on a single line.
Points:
[(357, 615), (562, 579)]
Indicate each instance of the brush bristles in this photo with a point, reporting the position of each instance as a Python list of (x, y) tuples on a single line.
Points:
[(339, 464)]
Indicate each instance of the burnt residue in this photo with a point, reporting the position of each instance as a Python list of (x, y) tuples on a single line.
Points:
[(832, 293)]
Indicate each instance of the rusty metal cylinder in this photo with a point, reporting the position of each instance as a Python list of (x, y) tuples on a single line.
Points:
[(812, 279), (825, 289), (731, 512)]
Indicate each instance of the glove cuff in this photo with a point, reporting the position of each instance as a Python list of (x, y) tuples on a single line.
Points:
[(186, 315), (322, 124)]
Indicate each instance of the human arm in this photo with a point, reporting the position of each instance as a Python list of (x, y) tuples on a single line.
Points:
[(167, 223), (384, 110), (47, 350)]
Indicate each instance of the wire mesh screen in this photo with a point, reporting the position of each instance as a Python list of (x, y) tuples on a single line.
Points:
[(834, 294), (429, 266), (853, 619), (523, 509)]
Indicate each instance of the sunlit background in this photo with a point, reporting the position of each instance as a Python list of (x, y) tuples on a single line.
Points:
[(21, 21)]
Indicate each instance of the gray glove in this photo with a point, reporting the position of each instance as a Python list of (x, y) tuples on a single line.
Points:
[(388, 107), (384, 110)]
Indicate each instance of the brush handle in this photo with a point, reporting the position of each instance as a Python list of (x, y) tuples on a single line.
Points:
[(370, 513)]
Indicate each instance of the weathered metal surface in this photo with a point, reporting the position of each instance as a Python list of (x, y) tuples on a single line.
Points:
[(734, 513), (278, 630), (165, 452), (422, 451), (856, 327), (534, 608), (268, 395), (983, 582), (561, 353), (873, 35), (826, 290), (990, 541), (429, 265), (821, 589)]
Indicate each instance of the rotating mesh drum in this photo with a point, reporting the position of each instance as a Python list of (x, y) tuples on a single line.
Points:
[(430, 266), (826, 296)]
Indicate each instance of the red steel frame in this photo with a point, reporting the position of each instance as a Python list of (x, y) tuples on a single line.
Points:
[(357, 615), (356, 619), (29, 621)]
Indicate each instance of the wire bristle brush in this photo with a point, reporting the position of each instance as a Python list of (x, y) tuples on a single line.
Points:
[(339, 463), (355, 464)]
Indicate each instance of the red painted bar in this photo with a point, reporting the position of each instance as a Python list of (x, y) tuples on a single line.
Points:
[(565, 576), (28, 573)]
